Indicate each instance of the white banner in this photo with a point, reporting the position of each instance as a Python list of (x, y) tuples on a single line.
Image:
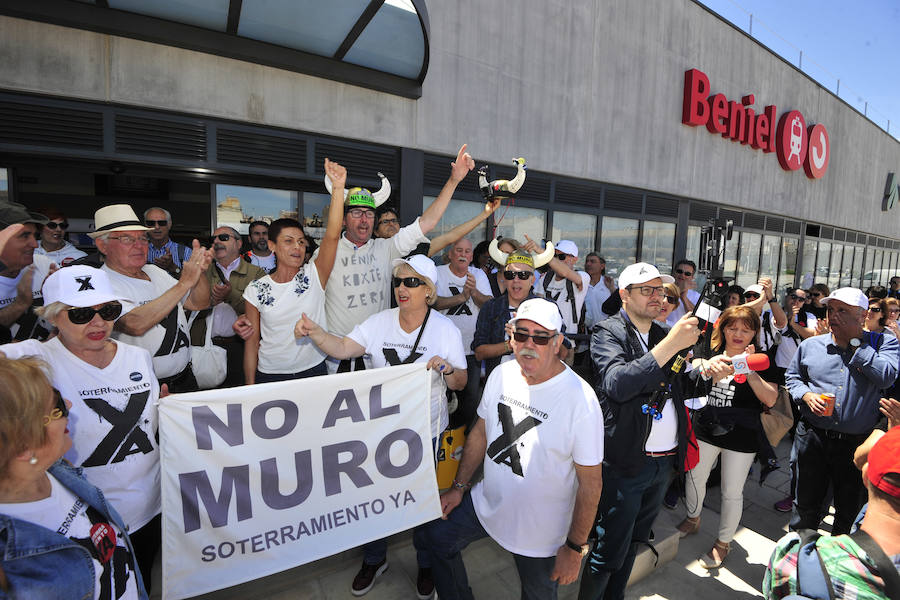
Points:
[(262, 478)]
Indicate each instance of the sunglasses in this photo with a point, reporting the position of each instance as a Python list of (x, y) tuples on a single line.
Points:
[(685, 273), (817, 294), (561, 256), (751, 296), (539, 340), (673, 300), (152, 223), (59, 411), (53, 225), (410, 282), (523, 275), (796, 297), (875, 309), (222, 237), (81, 315)]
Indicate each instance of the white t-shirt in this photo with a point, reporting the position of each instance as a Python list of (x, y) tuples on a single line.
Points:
[(557, 291), (788, 346), (465, 315), (28, 325), (112, 422), (678, 311), (63, 256), (68, 515), (388, 345), (360, 283), (596, 296), (280, 306), (536, 434), (266, 263), (168, 340)]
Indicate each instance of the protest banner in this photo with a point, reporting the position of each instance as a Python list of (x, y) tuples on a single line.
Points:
[(263, 478)]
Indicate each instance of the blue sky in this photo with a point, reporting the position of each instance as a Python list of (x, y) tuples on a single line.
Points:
[(854, 42)]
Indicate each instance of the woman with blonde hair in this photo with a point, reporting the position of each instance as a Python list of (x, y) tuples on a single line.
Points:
[(728, 427), (59, 538)]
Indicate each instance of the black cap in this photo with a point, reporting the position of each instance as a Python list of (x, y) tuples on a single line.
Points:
[(13, 212)]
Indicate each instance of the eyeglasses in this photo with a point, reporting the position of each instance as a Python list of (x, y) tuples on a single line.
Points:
[(222, 237), (81, 315), (648, 290), (53, 225), (539, 340), (129, 240), (59, 411), (875, 309), (152, 223), (359, 213), (523, 275), (685, 273), (410, 282), (388, 222), (751, 296), (673, 300), (796, 297)]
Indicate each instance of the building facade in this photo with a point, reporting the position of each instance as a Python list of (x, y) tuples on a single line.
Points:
[(227, 113)]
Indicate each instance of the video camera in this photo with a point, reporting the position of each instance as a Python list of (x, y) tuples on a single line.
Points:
[(713, 238)]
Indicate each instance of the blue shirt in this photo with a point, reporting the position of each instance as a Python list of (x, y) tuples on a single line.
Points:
[(180, 252), (855, 378)]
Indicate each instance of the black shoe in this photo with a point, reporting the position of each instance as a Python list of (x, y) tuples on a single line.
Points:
[(424, 584), (671, 499), (366, 577)]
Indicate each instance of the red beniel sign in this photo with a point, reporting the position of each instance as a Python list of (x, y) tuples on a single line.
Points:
[(794, 144)]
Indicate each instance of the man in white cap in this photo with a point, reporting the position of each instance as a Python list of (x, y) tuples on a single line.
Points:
[(154, 302), (854, 365), (646, 434), (21, 275), (539, 434)]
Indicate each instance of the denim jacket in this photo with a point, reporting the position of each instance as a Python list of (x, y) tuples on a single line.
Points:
[(626, 376), (42, 564)]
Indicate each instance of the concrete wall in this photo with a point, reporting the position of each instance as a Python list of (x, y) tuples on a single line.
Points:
[(586, 88)]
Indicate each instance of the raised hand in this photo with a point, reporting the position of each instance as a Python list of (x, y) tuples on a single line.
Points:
[(194, 267), (165, 262), (460, 167), (337, 174), (685, 332), (491, 206), (531, 246), (219, 292), (469, 286)]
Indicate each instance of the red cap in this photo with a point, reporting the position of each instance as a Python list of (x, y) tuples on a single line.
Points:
[(884, 458)]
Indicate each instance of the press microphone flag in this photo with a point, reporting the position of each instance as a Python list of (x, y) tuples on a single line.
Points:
[(744, 363)]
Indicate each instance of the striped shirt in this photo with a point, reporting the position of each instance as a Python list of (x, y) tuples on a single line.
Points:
[(180, 252)]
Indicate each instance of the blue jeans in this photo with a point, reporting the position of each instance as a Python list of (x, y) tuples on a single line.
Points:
[(315, 371), (628, 506), (446, 540), (816, 462)]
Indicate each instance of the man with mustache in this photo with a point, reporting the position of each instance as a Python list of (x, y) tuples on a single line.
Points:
[(646, 433), (539, 434)]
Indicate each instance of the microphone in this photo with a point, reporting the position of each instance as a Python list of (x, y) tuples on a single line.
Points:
[(744, 363)]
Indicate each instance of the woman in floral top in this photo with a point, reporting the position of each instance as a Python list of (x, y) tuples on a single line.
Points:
[(275, 302)]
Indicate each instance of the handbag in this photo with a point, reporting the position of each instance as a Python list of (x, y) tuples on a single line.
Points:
[(449, 454), (778, 419), (209, 362)]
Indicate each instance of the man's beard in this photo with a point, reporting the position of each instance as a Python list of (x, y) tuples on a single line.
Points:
[(261, 245)]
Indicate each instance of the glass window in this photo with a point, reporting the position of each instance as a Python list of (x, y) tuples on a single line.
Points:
[(618, 242), (4, 185), (393, 41), (238, 206), (748, 263), (211, 14), (658, 245), (517, 222), (457, 213), (892, 269), (847, 267), (308, 25), (877, 268), (809, 264), (315, 214), (857, 272), (834, 270), (731, 252), (580, 228), (692, 247), (868, 274), (823, 259), (788, 270), (769, 255)]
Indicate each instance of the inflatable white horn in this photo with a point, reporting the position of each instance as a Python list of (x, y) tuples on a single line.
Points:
[(544, 257), (328, 186), (498, 255), (384, 193)]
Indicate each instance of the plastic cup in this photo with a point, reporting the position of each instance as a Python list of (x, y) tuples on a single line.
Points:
[(829, 404)]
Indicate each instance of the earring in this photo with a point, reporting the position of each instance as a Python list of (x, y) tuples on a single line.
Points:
[(32, 460)]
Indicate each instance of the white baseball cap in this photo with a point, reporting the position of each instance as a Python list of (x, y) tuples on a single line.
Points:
[(544, 313), (755, 289), (641, 273), (567, 247), (79, 286), (848, 295), (421, 264)]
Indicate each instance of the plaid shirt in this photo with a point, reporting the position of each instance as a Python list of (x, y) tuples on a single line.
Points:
[(180, 252), (848, 566)]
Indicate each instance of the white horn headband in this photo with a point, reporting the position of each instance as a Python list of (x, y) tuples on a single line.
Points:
[(380, 197), (540, 259)]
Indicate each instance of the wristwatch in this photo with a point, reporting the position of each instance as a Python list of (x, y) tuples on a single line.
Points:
[(581, 549)]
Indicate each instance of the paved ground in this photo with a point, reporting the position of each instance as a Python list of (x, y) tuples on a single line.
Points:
[(493, 574)]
